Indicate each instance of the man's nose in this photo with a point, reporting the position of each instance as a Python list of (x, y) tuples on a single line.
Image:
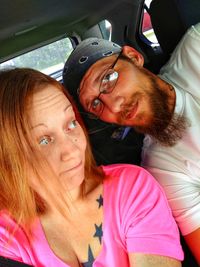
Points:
[(113, 102)]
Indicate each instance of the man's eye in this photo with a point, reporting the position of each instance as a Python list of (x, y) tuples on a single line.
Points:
[(108, 82), (96, 103), (106, 78), (96, 107), (45, 140), (110, 77), (73, 124)]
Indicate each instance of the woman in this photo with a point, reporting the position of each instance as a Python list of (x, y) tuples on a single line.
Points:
[(57, 207)]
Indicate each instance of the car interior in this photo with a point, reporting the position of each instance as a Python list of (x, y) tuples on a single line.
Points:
[(33, 32)]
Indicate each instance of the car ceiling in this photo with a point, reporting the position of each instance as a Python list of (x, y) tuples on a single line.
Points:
[(27, 24)]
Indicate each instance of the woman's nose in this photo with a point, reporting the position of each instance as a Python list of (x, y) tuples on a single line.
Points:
[(69, 149)]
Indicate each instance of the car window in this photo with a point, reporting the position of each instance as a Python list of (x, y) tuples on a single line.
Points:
[(106, 29), (49, 59), (147, 29)]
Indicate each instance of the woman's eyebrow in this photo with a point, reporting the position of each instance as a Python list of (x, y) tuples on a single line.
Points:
[(38, 125), (67, 107), (43, 125)]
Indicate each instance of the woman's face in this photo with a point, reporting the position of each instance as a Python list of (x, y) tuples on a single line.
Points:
[(60, 138)]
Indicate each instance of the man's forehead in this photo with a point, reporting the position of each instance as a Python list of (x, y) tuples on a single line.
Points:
[(98, 67), (85, 54), (89, 86)]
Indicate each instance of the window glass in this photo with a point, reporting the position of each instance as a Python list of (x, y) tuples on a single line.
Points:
[(49, 59), (147, 28), (106, 29)]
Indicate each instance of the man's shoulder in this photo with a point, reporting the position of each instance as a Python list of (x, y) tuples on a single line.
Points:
[(195, 29), (185, 44), (182, 69)]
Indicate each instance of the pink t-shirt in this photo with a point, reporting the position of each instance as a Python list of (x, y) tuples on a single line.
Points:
[(136, 219)]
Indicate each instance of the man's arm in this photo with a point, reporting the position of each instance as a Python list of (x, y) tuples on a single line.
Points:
[(193, 242), (146, 260)]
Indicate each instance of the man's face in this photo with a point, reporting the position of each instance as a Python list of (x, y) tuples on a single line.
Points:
[(134, 99), (137, 99), (128, 103)]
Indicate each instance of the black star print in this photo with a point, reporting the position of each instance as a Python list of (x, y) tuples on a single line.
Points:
[(90, 258), (99, 232), (100, 201)]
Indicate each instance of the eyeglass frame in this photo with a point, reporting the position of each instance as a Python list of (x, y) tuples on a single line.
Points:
[(94, 116)]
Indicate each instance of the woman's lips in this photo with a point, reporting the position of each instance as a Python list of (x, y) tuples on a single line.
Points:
[(132, 112), (72, 169)]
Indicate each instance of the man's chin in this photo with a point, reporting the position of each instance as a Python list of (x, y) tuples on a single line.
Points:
[(167, 136)]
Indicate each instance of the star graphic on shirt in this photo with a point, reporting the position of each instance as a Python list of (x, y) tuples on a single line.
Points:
[(99, 232), (100, 201), (90, 258)]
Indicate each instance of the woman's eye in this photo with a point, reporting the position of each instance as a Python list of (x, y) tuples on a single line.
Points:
[(73, 124), (45, 140)]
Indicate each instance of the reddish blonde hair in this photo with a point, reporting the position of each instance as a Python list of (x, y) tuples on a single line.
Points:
[(17, 87)]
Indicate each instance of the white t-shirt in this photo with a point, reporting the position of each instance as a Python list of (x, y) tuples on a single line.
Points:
[(177, 168)]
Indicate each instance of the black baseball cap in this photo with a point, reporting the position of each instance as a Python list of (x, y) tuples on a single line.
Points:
[(84, 55)]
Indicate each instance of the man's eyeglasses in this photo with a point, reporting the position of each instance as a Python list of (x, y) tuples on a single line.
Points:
[(107, 85)]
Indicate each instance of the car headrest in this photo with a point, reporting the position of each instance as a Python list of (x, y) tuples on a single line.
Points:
[(170, 20)]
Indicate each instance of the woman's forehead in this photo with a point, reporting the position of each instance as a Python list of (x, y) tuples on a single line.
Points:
[(48, 95), (49, 100)]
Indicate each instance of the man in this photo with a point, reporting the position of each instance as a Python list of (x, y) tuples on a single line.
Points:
[(111, 82)]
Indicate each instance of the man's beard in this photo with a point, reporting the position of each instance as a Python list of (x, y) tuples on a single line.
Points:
[(165, 127), (164, 130)]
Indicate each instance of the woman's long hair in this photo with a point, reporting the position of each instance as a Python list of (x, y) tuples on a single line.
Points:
[(17, 87)]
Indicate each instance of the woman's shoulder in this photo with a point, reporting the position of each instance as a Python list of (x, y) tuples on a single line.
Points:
[(6, 219), (121, 169), (9, 227), (127, 175)]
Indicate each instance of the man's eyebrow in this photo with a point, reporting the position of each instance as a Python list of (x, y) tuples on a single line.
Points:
[(102, 74), (98, 78)]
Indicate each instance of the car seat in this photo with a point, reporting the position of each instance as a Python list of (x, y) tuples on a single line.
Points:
[(170, 20)]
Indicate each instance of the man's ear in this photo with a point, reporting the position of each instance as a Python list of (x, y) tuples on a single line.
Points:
[(134, 55)]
